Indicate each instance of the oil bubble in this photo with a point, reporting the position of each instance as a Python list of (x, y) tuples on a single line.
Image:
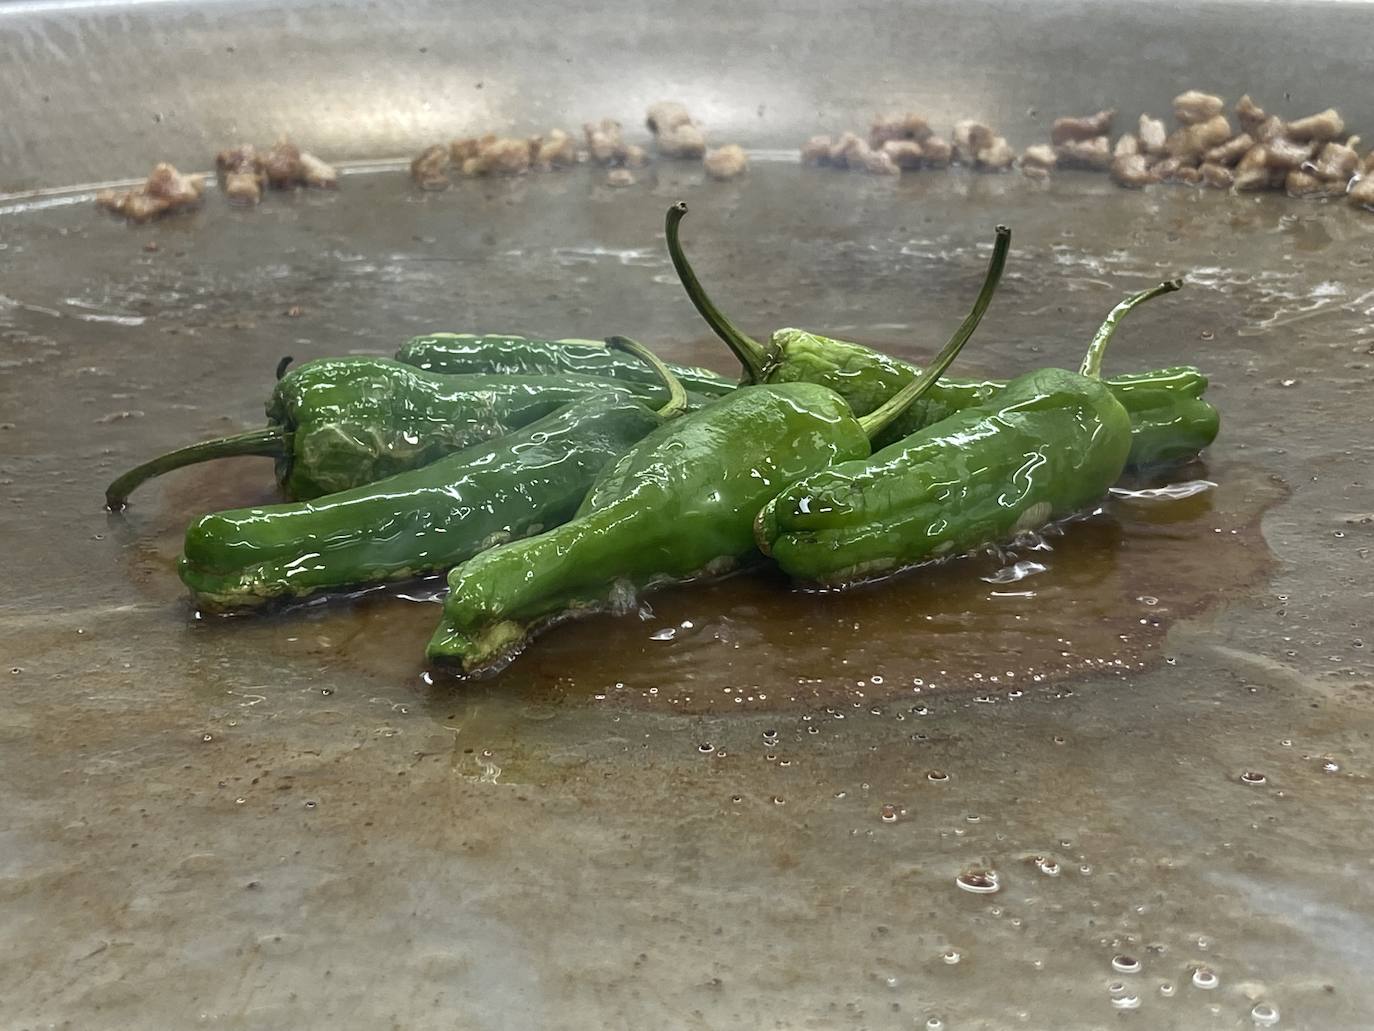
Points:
[(1265, 1014), (1166, 989), (888, 813), (937, 776), (706, 748), (1126, 1002), (979, 882), (1253, 778), (1047, 866), (1125, 964), (951, 956), (935, 1024), (1205, 979)]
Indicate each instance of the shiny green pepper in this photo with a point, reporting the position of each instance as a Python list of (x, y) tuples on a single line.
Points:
[(339, 423), (679, 506), (507, 354), (1169, 420), (1047, 445), (424, 520)]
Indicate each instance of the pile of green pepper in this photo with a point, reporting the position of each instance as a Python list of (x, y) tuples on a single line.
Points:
[(551, 479)]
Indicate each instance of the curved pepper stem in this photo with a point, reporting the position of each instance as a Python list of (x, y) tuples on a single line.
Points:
[(878, 420), (677, 394), (273, 442), (1092, 361), (750, 352)]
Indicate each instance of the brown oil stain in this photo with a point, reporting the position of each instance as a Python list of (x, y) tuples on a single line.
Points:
[(1110, 586)]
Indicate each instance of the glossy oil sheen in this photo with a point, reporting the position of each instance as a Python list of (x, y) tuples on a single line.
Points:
[(1045, 447), (517, 355), (1169, 420), (678, 506), (358, 420), (420, 521)]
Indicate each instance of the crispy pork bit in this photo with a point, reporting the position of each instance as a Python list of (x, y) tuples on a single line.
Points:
[(620, 177), (242, 172), (1132, 171), (1321, 127), (1038, 161), (1298, 183), (1166, 168), (603, 140), (466, 147), (1231, 151), (1250, 115), (499, 156), (1217, 176), (666, 116), (909, 126), (1153, 135), (282, 165), (1194, 108), (1287, 154), (1126, 146), (430, 168), (727, 162), (682, 141), (1362, 193), (877, 162), (936, 152), (1336, 162), (632, 155), (905, 154), (165, 191), (1195, 139), (556, 150), (318, 174), (1090, 127), (970, 137), (1254, 171), (848, 151), (1094, 154), (816, 151), (997, 156), (1188, 176)]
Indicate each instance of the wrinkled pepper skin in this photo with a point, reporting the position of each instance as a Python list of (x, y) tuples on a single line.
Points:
[(679, 506), (339, 423), (420, 521), (505, 354), (1170, 422), (1046, 446)]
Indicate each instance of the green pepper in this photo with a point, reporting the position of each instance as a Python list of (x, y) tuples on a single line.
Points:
[(679, 506), (423, 520), (1169, 420), (507, 354), (1046, 446), (339, 423)]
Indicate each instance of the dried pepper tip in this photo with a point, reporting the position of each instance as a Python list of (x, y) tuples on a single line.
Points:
[(677, 394), (273, 442), (281, 365), (750, 352), (1092, 361), (878, 420)]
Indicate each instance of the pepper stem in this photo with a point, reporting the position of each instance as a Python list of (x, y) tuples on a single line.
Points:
[(677, 394), (881, 417), (272, 442), (748, 350), (1092, 361)]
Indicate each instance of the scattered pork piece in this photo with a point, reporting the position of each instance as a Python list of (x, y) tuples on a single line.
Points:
[(1037, 162), (909, 126), (936, 152), (1188, 175), (556, 150), (1152, 134), (1336, 162), (877, 162), (727, 162), (848, 151), (430, 168), (1286, 154), (969, 138), (1321, 127), (1254, 171), (466, 147), (241, 169), (905, 154), (1126, 145), (282, 165), (997, 156), (1369, 163), (166, 190), (1231, 151), (504, 155), (1362, 194), (666, 116), (1194, 108), (318, 174), (1194, 140), (1132, 171), (816, 151), (1217, 176), (620, 177), (1089, 127), (1094, 154), (603, 140), (1298, 183)]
